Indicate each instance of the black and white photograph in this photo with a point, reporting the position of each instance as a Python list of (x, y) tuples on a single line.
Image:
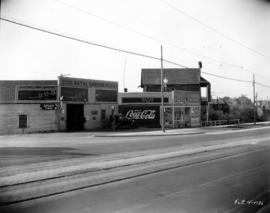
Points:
[(135, 106)]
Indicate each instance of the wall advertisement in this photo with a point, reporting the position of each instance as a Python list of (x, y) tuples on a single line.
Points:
[(143, 115), (187, 98)]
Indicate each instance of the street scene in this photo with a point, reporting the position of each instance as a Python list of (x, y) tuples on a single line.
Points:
[(134, 106)]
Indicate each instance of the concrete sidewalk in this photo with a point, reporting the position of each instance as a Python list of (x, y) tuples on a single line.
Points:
[(182, 131), (167, 132), (140, 132)]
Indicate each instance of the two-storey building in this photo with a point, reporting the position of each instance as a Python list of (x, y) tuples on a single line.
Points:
[(183, 101)]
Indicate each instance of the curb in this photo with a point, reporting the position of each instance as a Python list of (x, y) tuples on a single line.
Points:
[(149, 135)]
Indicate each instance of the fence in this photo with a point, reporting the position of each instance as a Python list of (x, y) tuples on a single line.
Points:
[(220, 122)]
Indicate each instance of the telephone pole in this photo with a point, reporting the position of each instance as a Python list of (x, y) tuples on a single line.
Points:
[(124, 75), (254, 100), (162, 91)]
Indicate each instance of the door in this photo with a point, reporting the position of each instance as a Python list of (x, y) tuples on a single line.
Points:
[(75, 117), (179, 115), (187, 117)]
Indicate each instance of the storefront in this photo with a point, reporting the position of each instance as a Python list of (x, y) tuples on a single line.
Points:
[(184, 111), (86, 104), (181, 108)]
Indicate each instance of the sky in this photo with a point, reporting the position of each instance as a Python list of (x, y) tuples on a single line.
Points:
[(229, 37)]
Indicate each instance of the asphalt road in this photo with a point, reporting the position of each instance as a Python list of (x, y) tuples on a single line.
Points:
[(238, 183), (33, 148)]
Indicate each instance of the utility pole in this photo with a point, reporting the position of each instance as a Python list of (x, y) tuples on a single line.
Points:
[(0, 7), (124, 75), (254, 100), (173, 110), (162, 91)]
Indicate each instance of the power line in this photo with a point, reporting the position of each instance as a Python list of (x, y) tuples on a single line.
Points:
[(78, 39), (88, 42), (174, 63), (220, 62), (263, 85), (108, 21), (140, 33), (117, 49), (234, 79), (213, 29), (227, 78), (126, 28)]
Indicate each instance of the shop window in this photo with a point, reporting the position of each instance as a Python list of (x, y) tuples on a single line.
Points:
[(106, 95), (22, 121), (103, 114)]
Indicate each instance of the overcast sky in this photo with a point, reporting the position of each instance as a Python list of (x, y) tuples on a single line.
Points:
[(141, 26)]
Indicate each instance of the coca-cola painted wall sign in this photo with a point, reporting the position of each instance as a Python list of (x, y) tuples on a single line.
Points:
[(138, 114), (143, 115)]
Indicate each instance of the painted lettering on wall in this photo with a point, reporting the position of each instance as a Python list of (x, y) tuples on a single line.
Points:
[(141, 114), (48, 106), (182, 98)]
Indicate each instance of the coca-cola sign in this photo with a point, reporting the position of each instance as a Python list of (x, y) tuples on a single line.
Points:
[(141, 114)]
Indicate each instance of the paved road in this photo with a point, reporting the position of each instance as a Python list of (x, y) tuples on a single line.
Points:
[(45, 147), (219, 185)]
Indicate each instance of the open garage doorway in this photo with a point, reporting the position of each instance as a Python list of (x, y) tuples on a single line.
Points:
[(75, 117)]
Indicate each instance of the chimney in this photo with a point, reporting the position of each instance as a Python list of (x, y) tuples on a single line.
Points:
[(200, 64)]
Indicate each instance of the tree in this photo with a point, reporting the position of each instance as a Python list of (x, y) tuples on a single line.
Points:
[(233, 108)]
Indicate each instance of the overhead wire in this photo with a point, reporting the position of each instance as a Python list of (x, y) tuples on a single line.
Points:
[(116, 49), (108, 21), (77, 39), (213, 29), (220, 62), (228, 78), (263, 85)]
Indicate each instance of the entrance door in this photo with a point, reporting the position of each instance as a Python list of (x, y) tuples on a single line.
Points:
[(179, 115), (75, 117), (187, 117)]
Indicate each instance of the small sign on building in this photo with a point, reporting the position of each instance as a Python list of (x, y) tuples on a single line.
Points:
[(48, 106)]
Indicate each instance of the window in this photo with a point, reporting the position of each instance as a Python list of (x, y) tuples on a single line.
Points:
[(37, 95), (106, 95), (22, 121), (103, 114), (74, 94)]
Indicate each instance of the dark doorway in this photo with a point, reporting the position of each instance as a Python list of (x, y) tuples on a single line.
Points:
[(75, 117), (187, 117)]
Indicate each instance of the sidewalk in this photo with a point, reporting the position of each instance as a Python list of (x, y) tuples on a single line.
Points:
[(140, 132), (182, 131), (167, 132)]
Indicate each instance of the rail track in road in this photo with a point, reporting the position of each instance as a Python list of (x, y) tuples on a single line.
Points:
[(69, 182)]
